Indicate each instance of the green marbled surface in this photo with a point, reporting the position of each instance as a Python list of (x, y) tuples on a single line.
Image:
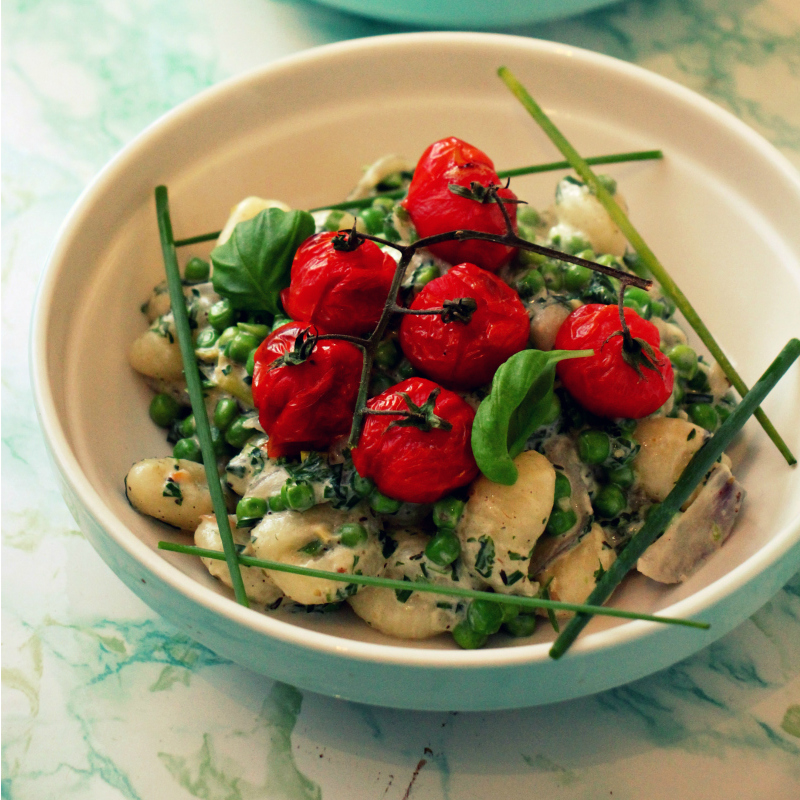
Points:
[(102, 699)]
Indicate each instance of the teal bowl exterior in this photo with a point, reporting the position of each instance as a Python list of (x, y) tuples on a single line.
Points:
[(92, 408), (466, 14)]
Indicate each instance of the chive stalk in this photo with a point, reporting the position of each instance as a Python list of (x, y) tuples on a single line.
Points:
[(668, 285), (396, 194), (203, 429), (661, 515), (613, 158), (449, 591)]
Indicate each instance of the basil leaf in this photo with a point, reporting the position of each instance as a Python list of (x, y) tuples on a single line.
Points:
[(522, 391), (252, 267)]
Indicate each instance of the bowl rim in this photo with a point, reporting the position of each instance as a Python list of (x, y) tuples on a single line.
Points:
[(401, 654)]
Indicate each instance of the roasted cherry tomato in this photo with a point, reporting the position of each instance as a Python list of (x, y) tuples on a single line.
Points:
[(305, 406), (606, 383), (434, 208), (458, 354), (410, 463), (340, 291)]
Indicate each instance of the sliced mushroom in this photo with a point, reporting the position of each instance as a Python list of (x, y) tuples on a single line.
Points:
[(697, 533)]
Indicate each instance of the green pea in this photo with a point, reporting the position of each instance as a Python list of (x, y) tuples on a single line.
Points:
[(163, 410), (225, 412), (530, 283), (484, 617), (250, 364), (607, 260), (527, 258), (382, 504), (249, 510), (387, 354), (188, 449), (610, 501), (240, 347), (227, 336), (510, 611), (622, 477), (444, 548), (405, 370), (521, 625), (196, 270), (333, 220), (237, 435), (698, 382), (528, 215), (704, 415), (660, 309), (297, 496), (379, 383), (385, 204), (638, 300), (577, 278), (563, 486), (553, 275), (373, 219), (221, 314), (561, 520), (447, 512), (352, 534), (576, 243), (594, 446), (424, 275), (466, 638), (362, 486), (206, 338), (279, 322), (723, 412), (276, 503), (627, 426), (684, 359), (187, 426), (258, 329)]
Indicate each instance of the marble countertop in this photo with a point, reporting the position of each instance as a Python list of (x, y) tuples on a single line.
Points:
[(102, 699)]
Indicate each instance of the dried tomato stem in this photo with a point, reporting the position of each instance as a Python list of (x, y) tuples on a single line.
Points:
[(492, 189)]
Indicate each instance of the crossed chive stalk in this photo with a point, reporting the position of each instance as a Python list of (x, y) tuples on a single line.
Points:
[(656, 522)]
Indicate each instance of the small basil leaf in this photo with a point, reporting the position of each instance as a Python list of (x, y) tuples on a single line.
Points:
[(252, 267), (522, 391)]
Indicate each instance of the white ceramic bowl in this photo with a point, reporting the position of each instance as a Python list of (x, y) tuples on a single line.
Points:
[(721, 210)]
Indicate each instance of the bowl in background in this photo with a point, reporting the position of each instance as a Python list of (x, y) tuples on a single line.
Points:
[(470, 14), (720, 210)]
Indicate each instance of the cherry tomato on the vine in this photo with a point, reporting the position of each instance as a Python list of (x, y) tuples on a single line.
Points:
[(605, 383), (413, 464), (434, 208), (463, 355), (305, 406), (341, 291)]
